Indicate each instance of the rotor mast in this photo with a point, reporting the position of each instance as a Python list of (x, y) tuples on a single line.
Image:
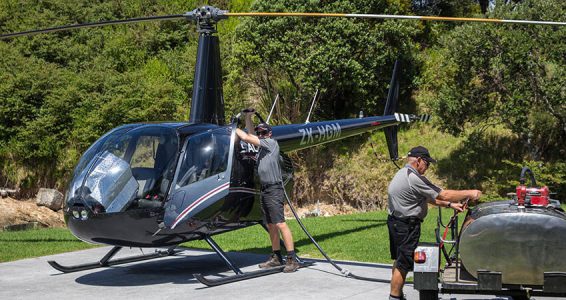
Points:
[(207, 104)]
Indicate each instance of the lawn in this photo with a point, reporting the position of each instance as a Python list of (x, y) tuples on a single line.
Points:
[(16, 245), (359, 237)]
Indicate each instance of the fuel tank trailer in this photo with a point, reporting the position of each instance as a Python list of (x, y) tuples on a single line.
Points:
[(521, 238)]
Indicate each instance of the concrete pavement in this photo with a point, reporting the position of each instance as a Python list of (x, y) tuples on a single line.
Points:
[(171, 278)]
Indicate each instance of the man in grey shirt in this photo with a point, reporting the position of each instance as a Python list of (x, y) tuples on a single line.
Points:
[(409, 193), (272, 193)]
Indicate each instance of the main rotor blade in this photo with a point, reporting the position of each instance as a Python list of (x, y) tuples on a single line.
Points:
[(370, 16), (95, 24)]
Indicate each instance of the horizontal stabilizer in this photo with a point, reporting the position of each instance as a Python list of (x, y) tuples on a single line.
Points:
[(425, 118), (406, 118)]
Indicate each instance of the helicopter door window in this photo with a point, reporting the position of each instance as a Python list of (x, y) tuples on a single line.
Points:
[(205, 155)]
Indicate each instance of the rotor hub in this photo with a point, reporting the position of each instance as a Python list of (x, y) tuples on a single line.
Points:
[(206, 18)]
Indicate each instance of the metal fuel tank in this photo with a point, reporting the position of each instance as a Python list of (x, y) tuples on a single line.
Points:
[(520, 242)]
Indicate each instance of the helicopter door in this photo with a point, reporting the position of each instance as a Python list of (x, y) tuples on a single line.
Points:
[(202, 176)]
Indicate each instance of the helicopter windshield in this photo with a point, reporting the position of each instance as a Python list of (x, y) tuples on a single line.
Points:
[(125, 169)]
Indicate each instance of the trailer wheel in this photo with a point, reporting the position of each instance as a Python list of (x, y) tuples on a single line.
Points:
[(428, 295)]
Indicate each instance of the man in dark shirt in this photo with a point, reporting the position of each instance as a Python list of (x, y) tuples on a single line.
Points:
[(272, 193), (409, 195)]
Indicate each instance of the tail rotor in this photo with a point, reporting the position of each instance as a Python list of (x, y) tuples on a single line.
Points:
[(390, 108)]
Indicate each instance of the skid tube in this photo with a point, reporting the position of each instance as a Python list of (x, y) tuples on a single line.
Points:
[(239, 276), (106, 262)]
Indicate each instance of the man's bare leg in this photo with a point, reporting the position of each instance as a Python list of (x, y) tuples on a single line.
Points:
[(397, 282), (287, 236), (274, 237)]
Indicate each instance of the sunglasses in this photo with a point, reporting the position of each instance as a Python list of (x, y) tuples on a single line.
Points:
[(427, 163)]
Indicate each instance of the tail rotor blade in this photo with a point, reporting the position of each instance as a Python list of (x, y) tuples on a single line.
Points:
[(391, 108)]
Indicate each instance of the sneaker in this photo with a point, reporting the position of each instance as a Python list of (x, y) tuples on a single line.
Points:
[(292, 265), (272, 262)]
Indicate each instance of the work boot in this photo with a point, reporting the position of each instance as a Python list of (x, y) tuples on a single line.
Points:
[(272, 262), (292, 265)]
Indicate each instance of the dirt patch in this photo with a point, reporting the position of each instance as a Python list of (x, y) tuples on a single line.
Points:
[(14, 212)]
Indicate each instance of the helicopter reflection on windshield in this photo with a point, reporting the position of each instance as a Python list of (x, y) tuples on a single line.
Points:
[(125, 169)]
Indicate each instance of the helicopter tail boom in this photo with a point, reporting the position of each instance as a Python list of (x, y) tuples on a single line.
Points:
[(299, 136)]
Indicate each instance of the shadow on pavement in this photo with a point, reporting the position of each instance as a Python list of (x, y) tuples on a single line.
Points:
[(177, 269)]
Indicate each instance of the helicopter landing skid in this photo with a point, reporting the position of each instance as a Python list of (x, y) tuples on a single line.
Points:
[(106, 262), (244, 276), (239, 276)]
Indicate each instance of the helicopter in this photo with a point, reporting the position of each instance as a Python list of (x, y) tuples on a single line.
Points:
[(162, 184)]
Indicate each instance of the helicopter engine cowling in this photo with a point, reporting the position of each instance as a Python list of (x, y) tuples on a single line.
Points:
[(520, 242)]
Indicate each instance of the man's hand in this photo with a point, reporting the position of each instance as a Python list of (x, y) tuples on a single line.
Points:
[(459, 207), (475, 197)]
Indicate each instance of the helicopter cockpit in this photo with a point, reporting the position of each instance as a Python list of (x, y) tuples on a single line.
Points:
[(127, 168), (204, 155)]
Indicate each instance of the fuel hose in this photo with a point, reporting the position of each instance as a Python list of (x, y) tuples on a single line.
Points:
[(344, 271)]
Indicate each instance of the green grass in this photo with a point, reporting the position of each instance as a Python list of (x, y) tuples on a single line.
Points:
[(358, 237), (16, 245)]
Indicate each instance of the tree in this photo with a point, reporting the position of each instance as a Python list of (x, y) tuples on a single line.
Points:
[(500, 74), (348, 61), (59, 92)]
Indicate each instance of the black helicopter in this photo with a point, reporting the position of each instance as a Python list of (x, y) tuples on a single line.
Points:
[(159, 185)]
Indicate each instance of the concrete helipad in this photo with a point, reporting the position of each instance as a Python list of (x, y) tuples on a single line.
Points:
[(171, 278)]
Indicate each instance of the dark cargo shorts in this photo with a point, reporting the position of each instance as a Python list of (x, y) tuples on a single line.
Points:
[(404, 237), (272, 203)]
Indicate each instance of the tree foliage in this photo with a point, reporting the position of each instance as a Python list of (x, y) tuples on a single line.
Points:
[(514, 75), (349, 61), (59, 92)]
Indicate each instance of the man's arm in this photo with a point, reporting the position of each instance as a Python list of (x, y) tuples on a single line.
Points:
[(453, 198), (248, 137), (459, 195), (454, 205)]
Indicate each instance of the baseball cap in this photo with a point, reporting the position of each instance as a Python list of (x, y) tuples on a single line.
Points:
[(262, 128), (422, 152)]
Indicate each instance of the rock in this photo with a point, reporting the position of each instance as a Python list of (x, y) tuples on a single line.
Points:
[(50, 198), (14, 211), (6, 192)]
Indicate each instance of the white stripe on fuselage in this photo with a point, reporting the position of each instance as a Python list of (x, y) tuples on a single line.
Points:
[(198, 202)]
